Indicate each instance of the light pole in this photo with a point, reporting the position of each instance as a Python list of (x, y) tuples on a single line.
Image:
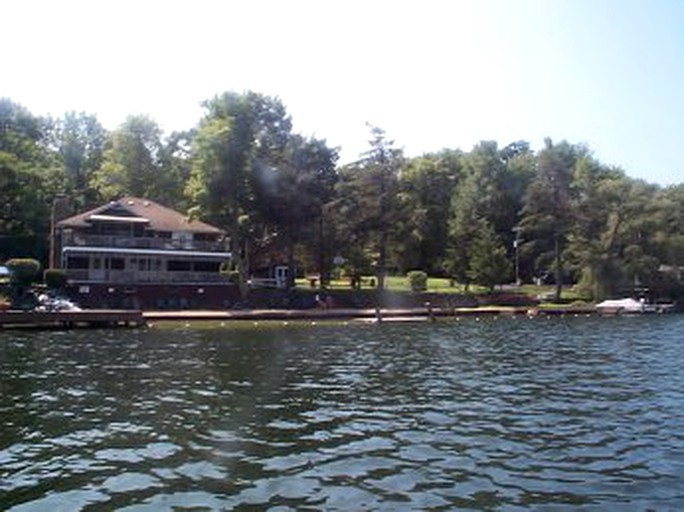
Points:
[(516, 246)]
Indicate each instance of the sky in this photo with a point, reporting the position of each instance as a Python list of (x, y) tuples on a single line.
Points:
[(433, 74)]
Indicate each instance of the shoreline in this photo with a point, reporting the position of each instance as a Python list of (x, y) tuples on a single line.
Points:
[(362, 314), (99, 318)]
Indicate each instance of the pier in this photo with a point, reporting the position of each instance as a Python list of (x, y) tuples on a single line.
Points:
[(71, 319)]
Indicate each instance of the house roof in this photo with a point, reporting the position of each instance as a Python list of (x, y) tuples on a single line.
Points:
[(137, 210)]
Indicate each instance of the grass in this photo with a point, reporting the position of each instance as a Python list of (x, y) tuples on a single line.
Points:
[(444, 285), (395, 283)]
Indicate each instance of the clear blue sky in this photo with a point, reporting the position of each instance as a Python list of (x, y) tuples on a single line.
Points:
[(433, 74)]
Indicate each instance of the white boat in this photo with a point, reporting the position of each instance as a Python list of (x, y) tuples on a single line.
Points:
[(631, 307)]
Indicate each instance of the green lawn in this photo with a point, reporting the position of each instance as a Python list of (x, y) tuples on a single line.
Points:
[(393, 283), (442, 285), (399, 283)]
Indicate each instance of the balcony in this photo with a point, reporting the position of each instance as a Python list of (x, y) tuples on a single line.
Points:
[(132, 277), (125, 242)]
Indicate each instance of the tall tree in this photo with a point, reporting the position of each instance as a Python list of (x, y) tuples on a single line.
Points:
[(548, 212), (593, 240), (489, 264), (240, 136), (80, 140), (476, 199), (291, 194), (21, 133), (131, 163), (176, 162), (367, 205), (427, 184), (29, 177)]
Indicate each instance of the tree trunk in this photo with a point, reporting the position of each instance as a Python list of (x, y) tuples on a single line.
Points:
[(240, 258), (322, 263), (558, 271), (242, 277), (290, 263), (382, 261)]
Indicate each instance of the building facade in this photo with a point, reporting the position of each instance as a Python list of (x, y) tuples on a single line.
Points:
[(137, 253)]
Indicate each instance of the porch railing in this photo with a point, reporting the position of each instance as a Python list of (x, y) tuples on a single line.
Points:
[(131, 277), (125, 242)]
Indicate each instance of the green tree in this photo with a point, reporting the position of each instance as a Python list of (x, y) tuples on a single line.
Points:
[(29, 177), (489, 264), (219, 188), (131, 163), (80, 141), (367, 206), (427, 184), (21, 133), (593, 240), (670, 239), (548, 212), (477, 198), (21, 209), (176, 162), (240, 137), (291, 194)]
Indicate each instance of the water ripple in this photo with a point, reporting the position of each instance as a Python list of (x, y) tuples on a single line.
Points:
[(483, 414)]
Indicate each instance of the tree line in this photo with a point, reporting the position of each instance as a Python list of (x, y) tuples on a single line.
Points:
[(486, 216)]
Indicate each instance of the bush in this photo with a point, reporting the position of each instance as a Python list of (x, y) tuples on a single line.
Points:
[(418, 280), (55, 278), (23, 271)]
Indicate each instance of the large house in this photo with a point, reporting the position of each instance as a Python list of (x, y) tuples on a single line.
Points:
[(136, 253)]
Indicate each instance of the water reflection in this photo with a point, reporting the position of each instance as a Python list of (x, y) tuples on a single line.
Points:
[(502, 412)]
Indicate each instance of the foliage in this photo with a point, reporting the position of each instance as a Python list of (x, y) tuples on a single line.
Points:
[(253, 177), (80, 142), (418, 280), (489, 265), (29, 178), (55, 278), (282, 198), (131, 163), (368, 209), (427, 184), (548, 213), (23, 271)]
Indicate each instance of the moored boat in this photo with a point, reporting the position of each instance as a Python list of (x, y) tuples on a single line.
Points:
[(631, 307)]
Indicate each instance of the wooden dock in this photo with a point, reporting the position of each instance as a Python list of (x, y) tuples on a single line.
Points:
[(71, 319)]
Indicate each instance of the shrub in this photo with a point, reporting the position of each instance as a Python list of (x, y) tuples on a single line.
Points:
[(23, 271), (418, 280), (55, 278)]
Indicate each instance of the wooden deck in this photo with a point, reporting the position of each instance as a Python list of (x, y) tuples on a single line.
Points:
[(71, 319)]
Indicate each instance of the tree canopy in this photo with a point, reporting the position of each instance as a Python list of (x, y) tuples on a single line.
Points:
[(559, 213)]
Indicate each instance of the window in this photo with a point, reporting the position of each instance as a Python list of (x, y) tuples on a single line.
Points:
[(143, 264), (78, 262), (178, 266), (206, 266), (117, 263)]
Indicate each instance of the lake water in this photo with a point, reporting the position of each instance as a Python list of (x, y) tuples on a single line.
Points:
[(496, 413)]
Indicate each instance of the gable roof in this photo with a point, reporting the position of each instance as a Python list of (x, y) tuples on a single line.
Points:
[(144, 211)]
